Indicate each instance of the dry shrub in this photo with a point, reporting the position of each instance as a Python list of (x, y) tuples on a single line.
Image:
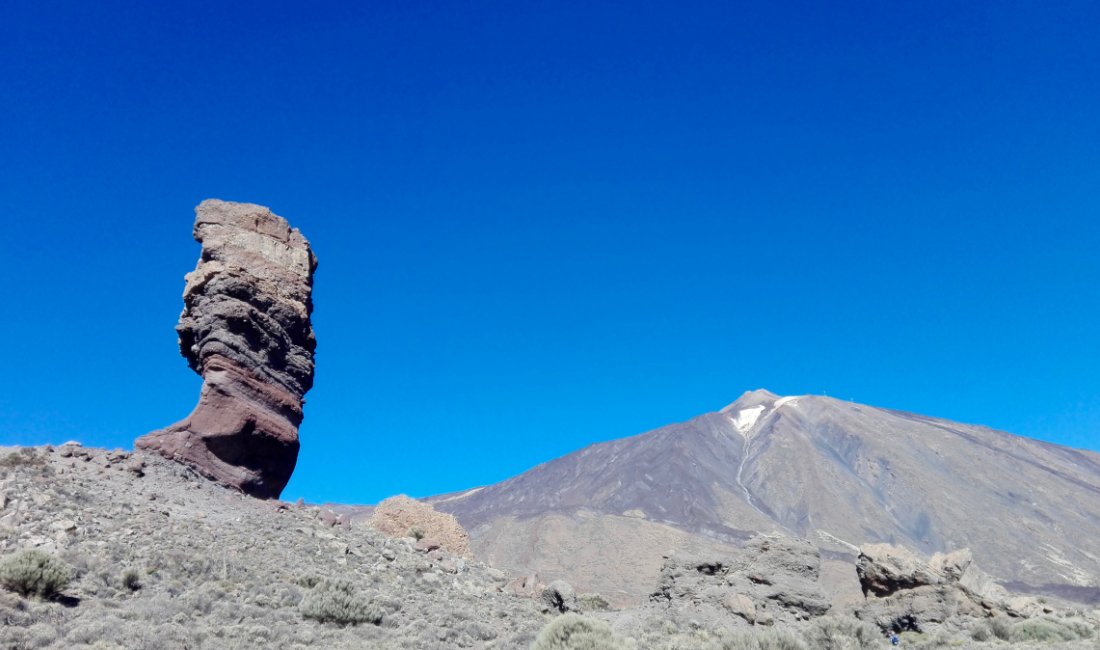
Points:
[(835, 633), (337, 601), (1001, 627), (574, 632), (34, 573), (765, 640)]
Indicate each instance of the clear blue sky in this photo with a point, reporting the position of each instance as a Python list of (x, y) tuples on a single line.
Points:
[(542, 225)]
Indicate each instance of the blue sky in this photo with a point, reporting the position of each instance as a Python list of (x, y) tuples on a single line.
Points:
[(542, 225)]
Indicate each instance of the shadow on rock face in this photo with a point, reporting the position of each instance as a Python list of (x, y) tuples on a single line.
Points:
[(246, 329)]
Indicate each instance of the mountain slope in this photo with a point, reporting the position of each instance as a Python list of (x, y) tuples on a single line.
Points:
[(843, 474)]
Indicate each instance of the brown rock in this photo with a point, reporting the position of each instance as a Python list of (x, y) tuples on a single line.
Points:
[(401, 516), (245, 328)]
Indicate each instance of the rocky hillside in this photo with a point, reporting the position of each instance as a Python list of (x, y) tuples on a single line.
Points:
[(107, 550), (839, 473), (165, 559)]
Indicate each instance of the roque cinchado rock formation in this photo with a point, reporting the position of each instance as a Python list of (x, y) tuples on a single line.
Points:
[(245, 328)]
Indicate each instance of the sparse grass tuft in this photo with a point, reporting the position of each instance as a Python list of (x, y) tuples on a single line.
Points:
[(336, 601), (34, 573)]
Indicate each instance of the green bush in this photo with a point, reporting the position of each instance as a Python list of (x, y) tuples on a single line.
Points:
[(1082, 629), (34, 573), (336, 601), (574, 632), (1042, 631), (835, 633)]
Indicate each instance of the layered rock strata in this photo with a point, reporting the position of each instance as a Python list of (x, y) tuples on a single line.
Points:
[(246, 329)]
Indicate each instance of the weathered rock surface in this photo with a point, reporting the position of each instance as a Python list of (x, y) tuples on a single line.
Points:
[(884, 569), (402, 516), (773, 578), (246, 329), (558, 596), (905, 592)]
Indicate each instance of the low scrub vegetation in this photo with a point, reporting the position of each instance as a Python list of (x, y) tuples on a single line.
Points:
[(766, 640), (23, 457), (1001, 627), (574, 632), (336, 601), (1041, 630), (834, 633), (34, 573)]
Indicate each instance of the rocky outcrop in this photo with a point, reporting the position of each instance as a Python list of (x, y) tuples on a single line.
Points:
[(884, 569), (773, 578), (558, 597), (905, 592), (246, 329), (402, 516)]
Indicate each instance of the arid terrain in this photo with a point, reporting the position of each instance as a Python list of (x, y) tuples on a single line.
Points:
[(837, 473), (162, 558)]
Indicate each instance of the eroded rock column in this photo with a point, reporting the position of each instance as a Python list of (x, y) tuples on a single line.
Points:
[(246, 329)]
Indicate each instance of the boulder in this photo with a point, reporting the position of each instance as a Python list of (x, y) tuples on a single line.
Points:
[(905, 592), (772, 577), (558, 596), (246, 329), (402, 516), (884, 569), (740, 605)]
